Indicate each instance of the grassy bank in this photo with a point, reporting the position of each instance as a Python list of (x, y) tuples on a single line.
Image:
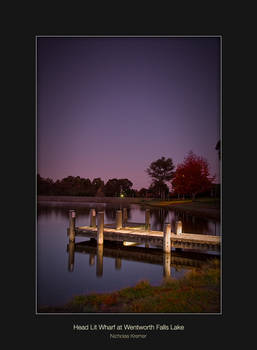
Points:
[(84, 199), (207, 207), (197, 292)]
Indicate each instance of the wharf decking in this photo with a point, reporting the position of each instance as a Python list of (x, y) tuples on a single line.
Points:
[(133, 234), (141, 233)]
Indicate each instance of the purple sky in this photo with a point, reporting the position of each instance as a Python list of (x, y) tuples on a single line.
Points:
[(108, 107)]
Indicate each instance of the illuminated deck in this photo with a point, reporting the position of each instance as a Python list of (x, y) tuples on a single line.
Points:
[(142, 236)]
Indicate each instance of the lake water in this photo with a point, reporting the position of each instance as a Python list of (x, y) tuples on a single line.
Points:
[(63, 272)]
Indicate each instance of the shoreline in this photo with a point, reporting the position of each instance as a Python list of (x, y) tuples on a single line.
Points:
[(192, 208), (84, 199), (199, 207), (198, 291)]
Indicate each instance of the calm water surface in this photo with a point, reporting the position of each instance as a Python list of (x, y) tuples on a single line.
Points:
[(58, 281)]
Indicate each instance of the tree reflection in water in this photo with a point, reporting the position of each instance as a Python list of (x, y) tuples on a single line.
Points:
[(158, 216)]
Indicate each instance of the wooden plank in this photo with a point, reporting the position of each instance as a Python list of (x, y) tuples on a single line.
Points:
[(127, 234), (128, 225)]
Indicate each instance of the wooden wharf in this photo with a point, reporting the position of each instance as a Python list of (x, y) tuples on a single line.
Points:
[(123, 231)]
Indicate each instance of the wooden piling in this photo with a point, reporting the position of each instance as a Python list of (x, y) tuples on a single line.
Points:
[(118, 219), (179, 227), (147, 219), (100, 227), (166, 238), (92, 218), (72, 218)]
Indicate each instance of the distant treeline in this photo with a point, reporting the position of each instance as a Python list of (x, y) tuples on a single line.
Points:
[(191, 178), (78, 186)]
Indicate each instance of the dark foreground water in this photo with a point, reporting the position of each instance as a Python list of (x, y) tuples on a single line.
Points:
[(64, 270)]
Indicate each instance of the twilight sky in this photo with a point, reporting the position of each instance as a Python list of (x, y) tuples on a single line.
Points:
[(108, 107)]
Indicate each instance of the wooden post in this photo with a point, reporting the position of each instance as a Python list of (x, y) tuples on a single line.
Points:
[(71, 256), (92, 218), (125, 216), (100, 227), (179, 227), (72, 216), (166, 238), (147, 219), (118, 219), (99, 260)]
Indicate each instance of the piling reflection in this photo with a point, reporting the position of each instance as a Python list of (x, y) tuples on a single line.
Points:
[(99, 260), (166, 265), (91, 259), (71, 249), (144, 254), (117, 263)]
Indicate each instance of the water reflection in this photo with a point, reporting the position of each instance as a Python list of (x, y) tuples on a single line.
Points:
[(110, 212), (48, 210), (99, 260), (61, 269), (71, 248), (119, 252), (91, 259), (166, 265), (158, 216), (117, 263), (190, 223)]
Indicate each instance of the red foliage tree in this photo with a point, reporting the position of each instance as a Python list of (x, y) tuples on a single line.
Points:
[(192, 176)]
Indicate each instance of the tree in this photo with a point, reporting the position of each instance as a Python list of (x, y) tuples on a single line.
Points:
[(75, 186), (159, 189), (44, 186), (111, 188), (161, 171), (192, 176), (116, 187), (125, 186), (97, 186), (143, 192), (86, 187)]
